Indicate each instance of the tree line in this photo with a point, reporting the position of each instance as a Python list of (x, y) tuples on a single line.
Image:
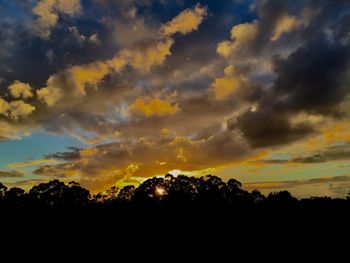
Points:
[(160, 192)]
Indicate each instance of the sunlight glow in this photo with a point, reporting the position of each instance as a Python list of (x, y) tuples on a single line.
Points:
[(176, 172), (160, 191)]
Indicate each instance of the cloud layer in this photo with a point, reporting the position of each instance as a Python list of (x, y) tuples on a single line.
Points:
[(153, 86)]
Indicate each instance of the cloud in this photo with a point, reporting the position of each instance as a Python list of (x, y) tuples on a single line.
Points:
[(264, 128), (225, 86), (186, 22), (103, 165), (82, 39), (270, 76), (329, 154), (153, 107), (143, 58), (337, 186), (108, 86), (69, 7), (242, 35), (47, 18), (31, 163), (11, 173), (16, 109), (50, 94), (11, 131), (19, 109), (295, 87), (292, 68), (4, 107), (26, 184), (20, 90), (285, 24), (90, 74), (48, 11), (298, 88)]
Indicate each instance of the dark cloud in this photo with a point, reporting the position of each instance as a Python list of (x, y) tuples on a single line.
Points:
[(269, 13), (105, 164), (337, 186), (11, 174), (332, 153), (65, 156), (295, 183), (312, 79), (267, 127)]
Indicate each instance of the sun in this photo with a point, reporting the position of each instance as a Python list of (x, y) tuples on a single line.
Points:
[(176, 172), (160, 191)]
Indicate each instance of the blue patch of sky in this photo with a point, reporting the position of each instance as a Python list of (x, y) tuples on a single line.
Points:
[(36, 146)]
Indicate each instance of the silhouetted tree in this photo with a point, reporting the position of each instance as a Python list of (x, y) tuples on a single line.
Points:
[(181, 189), (167, 193), (57, 194), (15, 197), (257, 197), (236, 195), (151, 191), (79, 195), (110, 196), (281, 199), (126, 193), (211, 189), (3, 190)]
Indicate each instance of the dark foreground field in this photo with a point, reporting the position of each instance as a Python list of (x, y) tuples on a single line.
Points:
[(166, 219)]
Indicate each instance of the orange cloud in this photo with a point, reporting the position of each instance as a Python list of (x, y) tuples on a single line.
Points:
[(32, 163), (285, 24), (186, 22), (20, 90), (224, 86), (15, 109), (241, 35), (90, 74), (141, 58), (102, 166), (47, 12), (153, 107)]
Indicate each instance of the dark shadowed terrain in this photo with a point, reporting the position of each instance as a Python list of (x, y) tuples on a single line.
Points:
[(172, 218)]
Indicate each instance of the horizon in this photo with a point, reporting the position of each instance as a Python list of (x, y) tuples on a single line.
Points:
[(110, 93)]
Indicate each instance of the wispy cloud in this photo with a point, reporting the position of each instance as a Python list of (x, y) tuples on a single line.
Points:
[(11, 173), (32, 163)]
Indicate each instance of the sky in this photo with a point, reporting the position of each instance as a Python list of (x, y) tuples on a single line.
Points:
[(112, 92)]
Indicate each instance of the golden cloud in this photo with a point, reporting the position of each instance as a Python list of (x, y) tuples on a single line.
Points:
[(32, 163), (102, 166), (20, 109), (186, 22), (90, 74), (49, 95), (285, 24), (69, 7), (3, 107), (241, 35), (15, 109), (11, 131), (47, 12), (141, 58), (153, 107), (20, 90), (225, 86)]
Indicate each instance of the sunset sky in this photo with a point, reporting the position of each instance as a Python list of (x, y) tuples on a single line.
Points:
[(111, 92)]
